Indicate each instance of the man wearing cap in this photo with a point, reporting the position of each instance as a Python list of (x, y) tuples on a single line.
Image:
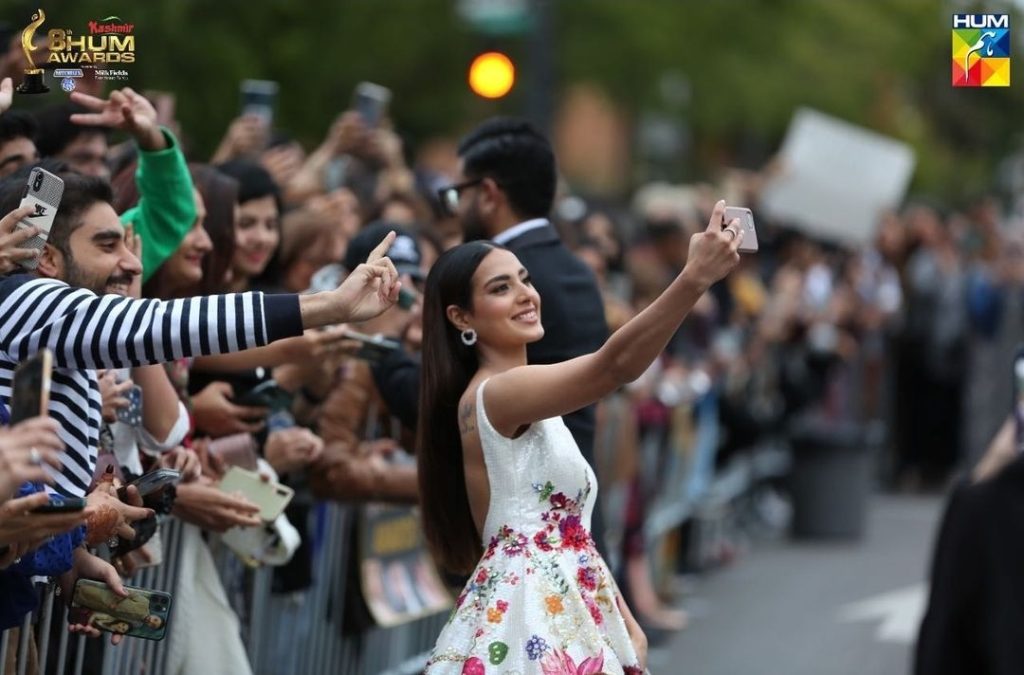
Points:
[(354, 421)]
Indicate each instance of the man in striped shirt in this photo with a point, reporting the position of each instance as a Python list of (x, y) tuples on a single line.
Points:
[(76, 304)]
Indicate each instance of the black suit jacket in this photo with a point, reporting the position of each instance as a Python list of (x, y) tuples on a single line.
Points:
[(975, 618), (571, 310)]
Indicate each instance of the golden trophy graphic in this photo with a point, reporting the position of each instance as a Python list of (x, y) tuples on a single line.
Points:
[(33, 82)]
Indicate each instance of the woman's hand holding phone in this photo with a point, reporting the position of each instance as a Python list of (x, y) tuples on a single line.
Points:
[(111, 515), (713, 252), (19, 525), (88, 566), (203, 504)]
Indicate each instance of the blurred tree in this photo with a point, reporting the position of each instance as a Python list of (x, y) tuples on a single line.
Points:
[(748, 63)]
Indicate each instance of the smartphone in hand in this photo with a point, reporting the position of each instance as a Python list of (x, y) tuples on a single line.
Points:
[(30, 391), (746, 218), (59, 504), (272, 498), (371, 102), (132, 413), (374, 347), (156, 489), (267, 394), (43, 192), (259, 98), (143, 614)]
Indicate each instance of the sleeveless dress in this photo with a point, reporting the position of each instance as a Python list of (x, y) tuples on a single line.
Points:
[(541, 599)]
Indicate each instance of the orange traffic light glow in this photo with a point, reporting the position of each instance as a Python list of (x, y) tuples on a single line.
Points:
[(491, 75)]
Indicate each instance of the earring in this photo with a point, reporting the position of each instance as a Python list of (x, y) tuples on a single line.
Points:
[(469, 337)]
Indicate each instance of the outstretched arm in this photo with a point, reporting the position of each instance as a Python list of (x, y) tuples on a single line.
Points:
[(85, 330), (524, 395)]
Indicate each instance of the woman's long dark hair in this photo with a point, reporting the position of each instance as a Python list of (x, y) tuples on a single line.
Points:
[(448, 366)]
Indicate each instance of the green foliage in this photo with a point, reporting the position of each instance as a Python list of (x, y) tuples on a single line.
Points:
[(749, 64)]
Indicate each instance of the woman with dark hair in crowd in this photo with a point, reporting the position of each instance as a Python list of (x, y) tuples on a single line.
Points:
[(504, 487), (257, 227)]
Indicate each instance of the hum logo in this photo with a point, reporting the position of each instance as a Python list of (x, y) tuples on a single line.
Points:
[(981, 21), (981, 50)]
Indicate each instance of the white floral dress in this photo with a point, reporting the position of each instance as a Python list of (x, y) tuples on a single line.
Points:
[(541, 600)]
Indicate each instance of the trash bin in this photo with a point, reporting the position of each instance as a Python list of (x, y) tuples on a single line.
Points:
[(830, 479)]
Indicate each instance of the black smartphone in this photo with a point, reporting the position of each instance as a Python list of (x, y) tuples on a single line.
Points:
[(156, 489), (61, 505), (143, 614), (144, 531), (267, 394), (154, 481), (374, 347), (30, 391)]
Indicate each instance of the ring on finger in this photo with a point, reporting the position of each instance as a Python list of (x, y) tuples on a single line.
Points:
[(732, 232), (34, 458)]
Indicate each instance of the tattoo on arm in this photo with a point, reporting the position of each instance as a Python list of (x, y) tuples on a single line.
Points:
[(466, 421)]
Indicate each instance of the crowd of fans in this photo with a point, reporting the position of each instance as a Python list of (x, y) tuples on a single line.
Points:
[(190, 302)]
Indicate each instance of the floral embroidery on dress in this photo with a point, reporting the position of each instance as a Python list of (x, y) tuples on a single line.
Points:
[(541, 599), (473, 666), (536, 647), (560, 663)]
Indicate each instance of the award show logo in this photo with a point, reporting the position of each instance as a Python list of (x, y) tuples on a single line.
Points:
[(33, 82), (981, 50), (109, 41)]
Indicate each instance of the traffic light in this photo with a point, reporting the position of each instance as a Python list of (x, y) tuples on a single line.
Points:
[(492, 75)]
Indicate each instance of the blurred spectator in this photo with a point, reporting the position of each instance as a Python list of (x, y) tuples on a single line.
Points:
[(933, 351), (83, 148), (310, 240), (17, 129)]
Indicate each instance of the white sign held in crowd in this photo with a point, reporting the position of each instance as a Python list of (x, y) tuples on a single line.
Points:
[(835, 179)]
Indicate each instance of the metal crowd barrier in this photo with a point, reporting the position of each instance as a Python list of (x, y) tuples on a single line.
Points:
[(294, 634)]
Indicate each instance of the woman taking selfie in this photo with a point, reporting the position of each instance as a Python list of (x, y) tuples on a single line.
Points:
[(506, 494)]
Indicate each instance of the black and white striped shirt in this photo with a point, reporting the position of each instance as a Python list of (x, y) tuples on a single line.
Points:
[(86, 331)]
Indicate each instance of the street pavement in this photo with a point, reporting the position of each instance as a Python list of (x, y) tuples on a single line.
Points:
[(799, 608)]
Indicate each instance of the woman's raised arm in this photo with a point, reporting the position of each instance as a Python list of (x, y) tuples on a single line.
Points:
[(526, 394)]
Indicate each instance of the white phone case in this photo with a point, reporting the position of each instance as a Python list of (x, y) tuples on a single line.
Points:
[(272, 498), (746, 217), (43, 191)]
